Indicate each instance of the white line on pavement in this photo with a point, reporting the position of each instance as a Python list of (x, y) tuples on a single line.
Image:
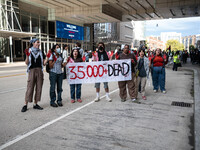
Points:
[(11, 71), (20, 137), (13, 90)]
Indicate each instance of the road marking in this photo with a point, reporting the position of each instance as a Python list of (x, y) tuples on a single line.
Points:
[(3, 92), (11, 71), (13, 75), (20, 137)]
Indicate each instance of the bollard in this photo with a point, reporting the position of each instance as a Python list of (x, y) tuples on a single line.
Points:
[(7, 59)]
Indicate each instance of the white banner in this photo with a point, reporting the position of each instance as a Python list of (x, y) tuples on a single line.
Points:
[(101, 71)]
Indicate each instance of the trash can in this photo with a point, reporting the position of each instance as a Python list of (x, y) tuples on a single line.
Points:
[(7, 59)]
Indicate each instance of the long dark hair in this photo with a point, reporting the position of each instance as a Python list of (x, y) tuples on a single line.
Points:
[(72, 56), (102, 44), (54, 47), (65, 46), (143, 51)]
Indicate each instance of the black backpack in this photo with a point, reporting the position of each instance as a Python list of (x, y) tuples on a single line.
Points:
[(47, 65)]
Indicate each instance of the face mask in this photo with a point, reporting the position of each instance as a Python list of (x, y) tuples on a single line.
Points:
[(58, 50), (101, 48)]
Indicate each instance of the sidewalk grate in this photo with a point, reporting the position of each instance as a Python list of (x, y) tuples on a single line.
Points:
[(181, 104)]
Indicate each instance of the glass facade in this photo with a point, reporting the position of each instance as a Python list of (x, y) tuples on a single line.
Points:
[(25, 22), (30, 22), (106, 32)]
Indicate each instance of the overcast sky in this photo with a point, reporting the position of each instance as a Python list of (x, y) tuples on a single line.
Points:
[(186, 26)]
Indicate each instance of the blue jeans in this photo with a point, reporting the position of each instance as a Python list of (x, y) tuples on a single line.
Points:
[(76, 87), (159, 78), (55, 79)]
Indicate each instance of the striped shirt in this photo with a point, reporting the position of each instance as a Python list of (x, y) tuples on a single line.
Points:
[(57, 67)]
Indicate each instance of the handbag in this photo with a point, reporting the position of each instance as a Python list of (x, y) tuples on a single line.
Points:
[(179, 65), (47, 67), (137, 73)]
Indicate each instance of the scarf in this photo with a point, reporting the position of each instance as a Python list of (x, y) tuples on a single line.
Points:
[(35, 52), (35, 55)]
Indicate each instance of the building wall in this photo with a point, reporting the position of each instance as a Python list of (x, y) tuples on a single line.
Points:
[(165, 36), (154, 43), (126, 32), (190, 40), (138, 33), (114, 34)]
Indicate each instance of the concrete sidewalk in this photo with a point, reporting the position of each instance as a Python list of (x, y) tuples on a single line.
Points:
[(196, 69), (20, 63)]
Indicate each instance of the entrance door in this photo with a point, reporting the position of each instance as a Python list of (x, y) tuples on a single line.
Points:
[(18, 49)]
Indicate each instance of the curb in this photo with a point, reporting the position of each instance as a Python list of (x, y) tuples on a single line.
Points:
[(196, 110)]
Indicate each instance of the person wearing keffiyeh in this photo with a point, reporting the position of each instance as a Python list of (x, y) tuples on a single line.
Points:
[(35, 60)]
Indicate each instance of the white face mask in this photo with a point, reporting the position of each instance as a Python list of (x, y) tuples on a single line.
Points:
[(58, 50)]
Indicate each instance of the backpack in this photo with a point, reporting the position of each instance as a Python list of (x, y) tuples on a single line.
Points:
[(47, 65)]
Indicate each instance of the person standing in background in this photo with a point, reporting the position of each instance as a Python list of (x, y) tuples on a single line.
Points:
[(65, 56), (86, 56), (176, 61), (78, 45)]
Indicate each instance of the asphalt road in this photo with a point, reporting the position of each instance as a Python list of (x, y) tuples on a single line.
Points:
[(153, 124)]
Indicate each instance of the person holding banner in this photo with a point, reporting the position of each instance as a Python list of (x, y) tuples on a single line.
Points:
[(35, 60), (55, 75), (101, 55), (75, 57), (131, 83)]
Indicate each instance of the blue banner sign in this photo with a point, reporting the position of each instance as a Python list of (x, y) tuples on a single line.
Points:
[(69, 31)]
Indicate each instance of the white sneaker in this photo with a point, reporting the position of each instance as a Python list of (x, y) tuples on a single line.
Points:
[(97, 99), (155, 91), (108, 99), (163, 92), (133, 99)]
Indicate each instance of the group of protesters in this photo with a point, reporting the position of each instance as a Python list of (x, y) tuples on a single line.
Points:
[(140, 67)]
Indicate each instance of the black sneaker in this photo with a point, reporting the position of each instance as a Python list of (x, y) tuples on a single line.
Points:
[(24, 108), (54, 105), (123, 100), (60, 104), (37, 107)]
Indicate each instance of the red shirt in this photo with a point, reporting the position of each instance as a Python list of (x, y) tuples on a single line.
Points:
[(158, 61)]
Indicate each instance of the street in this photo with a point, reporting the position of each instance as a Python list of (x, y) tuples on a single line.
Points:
[(153, 124)]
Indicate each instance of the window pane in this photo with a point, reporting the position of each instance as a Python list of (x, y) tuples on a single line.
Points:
[(16, 26), (43, 26), (25, 23), (18, 48), (35, 25)]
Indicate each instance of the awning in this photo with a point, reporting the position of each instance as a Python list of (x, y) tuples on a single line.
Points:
[(15, 34)]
